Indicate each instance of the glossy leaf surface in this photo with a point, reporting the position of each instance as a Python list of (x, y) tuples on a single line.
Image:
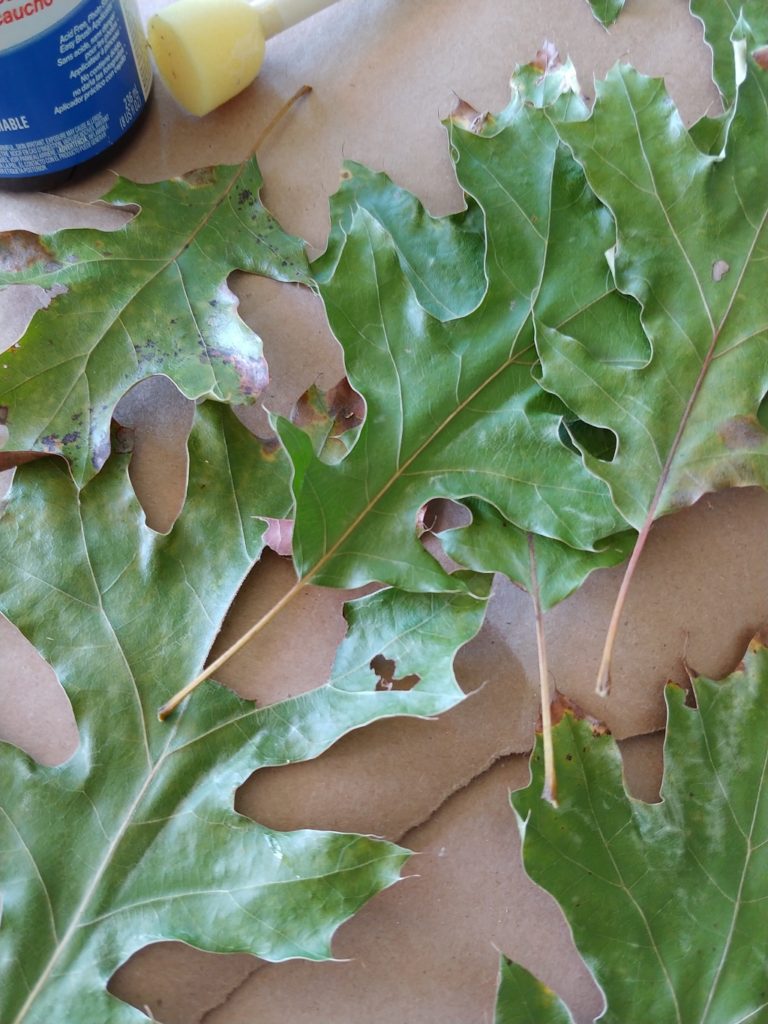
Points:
[(492, 544), (135, 838), (452, 408), (692, 248)]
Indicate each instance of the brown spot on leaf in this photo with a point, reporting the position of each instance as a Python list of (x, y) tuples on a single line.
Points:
[(547, 58), (3, 414), (385, 670), (341, 405), (270, 447), (345, 405), (201, 177), (466, 116), (20, 250), (123, 439), (719, 269), (742, 432), (562, 706), (346, 174), (760, 56)]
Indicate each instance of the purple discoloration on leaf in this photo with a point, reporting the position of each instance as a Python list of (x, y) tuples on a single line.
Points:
[(742, 432), (279, 536), (252, 373)]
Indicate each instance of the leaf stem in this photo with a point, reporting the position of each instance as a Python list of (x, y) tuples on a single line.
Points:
[(603, 685), (305, 90), (171, 705), (550, 774)]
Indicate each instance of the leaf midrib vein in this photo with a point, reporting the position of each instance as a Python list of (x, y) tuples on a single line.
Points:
[(461, 407), (742, 881), (75, 922)]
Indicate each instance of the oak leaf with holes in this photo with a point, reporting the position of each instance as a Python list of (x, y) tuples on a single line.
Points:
[(135, 839), (666, 901), (149, 298)]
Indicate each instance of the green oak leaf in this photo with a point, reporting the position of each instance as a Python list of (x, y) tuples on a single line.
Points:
[(692, 245), (135, 838), (606, 11), (523, 999), (443, 257), (666, 901), (719, 18), (149, 298), (452, 408), (490, 543)]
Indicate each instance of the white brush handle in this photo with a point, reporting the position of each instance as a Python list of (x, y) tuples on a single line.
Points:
[(278, 15)]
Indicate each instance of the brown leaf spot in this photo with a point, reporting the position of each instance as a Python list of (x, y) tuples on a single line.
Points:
[(341, 404), (547, 58), (759, 641), (742, 432), (3, 414), (123, 439), (20, 250), (385, 670), (719, 269), (345, 405), (562, 706), (201, 177), (760, 56), (466, 116)]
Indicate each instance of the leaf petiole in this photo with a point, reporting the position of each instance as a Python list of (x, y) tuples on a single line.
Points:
[(550, 776), (170, 706)]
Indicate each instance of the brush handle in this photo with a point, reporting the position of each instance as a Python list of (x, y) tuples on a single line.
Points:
[(278, 15)]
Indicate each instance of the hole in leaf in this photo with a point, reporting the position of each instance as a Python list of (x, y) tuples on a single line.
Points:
[(599, 442), (37, 715), (719, 269), (18, 304), (438, 515), (160, 418), (443, 514), (643, 760), (276, 666), (177, 983), (385, 669)]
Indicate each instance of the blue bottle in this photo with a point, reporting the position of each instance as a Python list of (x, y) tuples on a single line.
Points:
[(74, 78)]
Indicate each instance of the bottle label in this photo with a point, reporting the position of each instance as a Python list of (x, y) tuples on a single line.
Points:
[(75, 76)]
